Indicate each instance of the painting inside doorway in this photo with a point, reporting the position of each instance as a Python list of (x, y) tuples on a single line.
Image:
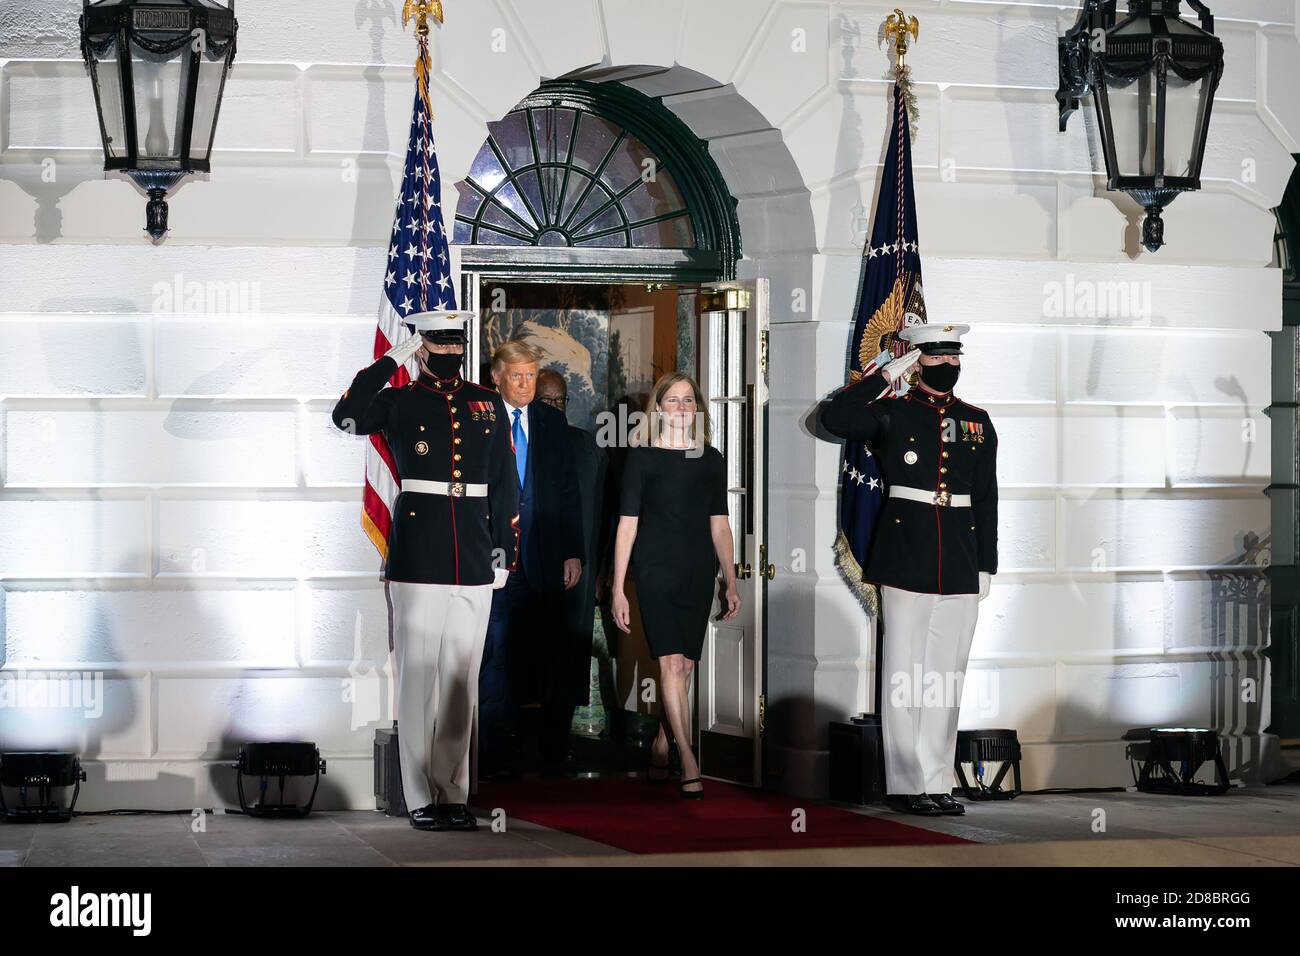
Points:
[(610, 342)]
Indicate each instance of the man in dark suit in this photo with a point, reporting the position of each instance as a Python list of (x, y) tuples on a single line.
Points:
[(573, 665), (526, 621)]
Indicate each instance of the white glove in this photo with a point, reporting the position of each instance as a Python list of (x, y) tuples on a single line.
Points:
[(986, 581), (402, 351), (501, 575), (899, 366)]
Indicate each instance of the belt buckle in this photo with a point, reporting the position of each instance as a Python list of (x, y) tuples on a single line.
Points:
[(456, 489), (942, 498)]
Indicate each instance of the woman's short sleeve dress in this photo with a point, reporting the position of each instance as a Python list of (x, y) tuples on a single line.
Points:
[(674, 493)]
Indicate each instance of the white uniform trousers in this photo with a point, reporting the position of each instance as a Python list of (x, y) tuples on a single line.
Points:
[(438, 634), (926, 645)]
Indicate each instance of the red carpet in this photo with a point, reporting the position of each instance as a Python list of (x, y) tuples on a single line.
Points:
[(631, 814)]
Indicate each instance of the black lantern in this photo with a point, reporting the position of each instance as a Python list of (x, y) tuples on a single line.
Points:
[(1152, 77), (159, 68)]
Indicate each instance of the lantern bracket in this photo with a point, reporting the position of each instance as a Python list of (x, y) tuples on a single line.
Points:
[(1074, 51), (1202, 11)]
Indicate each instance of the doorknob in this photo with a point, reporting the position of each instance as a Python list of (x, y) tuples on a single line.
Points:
[(767, 570), (743, 571)]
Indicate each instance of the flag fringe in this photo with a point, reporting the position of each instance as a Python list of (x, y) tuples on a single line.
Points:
[(374, 534), (422, 76), (851, 572), (903, 79)]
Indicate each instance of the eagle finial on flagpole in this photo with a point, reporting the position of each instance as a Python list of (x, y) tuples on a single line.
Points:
[(897, 27), (421, 10)]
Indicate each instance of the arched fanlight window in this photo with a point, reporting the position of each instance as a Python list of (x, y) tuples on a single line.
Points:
[(584, 170)]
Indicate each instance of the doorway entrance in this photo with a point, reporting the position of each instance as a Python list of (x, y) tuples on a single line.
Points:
[(611, 342), (595, 227)]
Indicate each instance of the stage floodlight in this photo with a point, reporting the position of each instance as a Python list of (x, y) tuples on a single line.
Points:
[(43, 771), (1167, 759), (979, 748), (278, 759)]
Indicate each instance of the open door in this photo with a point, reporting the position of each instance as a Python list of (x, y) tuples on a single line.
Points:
[(733, 377)]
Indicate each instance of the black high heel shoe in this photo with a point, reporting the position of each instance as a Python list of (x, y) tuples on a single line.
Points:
[(692, 794)]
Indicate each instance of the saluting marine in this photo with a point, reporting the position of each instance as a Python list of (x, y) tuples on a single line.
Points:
[(454, 538), (934, 549)]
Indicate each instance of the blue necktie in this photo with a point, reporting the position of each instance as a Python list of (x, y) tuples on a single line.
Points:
[(521, 448)]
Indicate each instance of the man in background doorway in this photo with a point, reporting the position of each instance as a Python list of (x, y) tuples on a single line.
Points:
[(526, 640), (572, 664)]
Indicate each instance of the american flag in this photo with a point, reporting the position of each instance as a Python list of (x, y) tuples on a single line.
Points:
[(417, 279)]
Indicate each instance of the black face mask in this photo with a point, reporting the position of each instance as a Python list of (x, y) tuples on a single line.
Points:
[(941, 377), (443, 364)]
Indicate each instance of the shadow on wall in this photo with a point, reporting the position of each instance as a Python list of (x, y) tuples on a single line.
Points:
[(376, 191), (123, 720), (48, 180)]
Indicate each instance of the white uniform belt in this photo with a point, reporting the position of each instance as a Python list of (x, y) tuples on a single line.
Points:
[(929, 497), (453, 489)]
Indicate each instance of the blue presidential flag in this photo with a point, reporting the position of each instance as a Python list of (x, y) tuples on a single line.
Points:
[(889, 299)]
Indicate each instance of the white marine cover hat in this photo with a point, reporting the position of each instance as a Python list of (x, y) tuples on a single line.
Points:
[(935, 339), (445, 325)]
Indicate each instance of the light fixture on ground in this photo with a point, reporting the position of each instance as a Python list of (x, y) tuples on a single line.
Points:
[(158, 68), (1152, 76), (1166, 760), (41, 771), (980, 748), (279, 759)]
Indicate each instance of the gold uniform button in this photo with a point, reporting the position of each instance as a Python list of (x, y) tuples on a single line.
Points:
[(943, 484), (898, 521), (412, 514), (421, 428), (945, 454), (453, 408), (455, 424), (972, 527), (943, 471), (455, 457), (911, 439), (456, 473), (456, 441)]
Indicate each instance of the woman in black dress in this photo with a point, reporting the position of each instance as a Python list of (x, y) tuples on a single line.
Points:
[(674, 534)]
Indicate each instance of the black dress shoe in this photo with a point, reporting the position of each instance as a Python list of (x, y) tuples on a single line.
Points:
[(917, 803), (456, 816), (947, 804), (427, 818)]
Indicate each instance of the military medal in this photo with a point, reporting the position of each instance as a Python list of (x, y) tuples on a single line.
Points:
[(421, 448), (910, 458)]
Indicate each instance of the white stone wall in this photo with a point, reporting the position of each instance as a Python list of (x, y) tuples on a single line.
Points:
[(177, 513)]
